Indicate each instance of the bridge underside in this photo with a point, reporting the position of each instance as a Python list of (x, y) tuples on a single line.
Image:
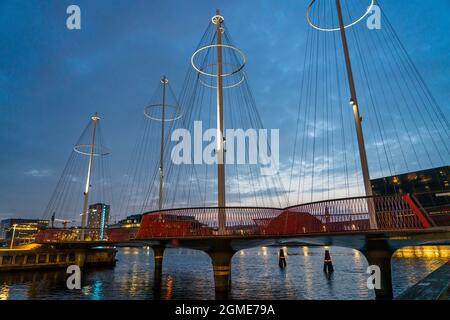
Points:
[(394, 239), (354, 240), (377, 246), (340, 222)]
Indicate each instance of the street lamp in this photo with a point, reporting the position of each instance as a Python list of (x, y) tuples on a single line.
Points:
[(12, 238)]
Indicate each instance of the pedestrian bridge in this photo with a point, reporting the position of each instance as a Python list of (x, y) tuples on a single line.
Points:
[(330, 217), (376, 226)]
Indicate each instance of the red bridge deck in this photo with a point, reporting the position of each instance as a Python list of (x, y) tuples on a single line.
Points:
[(332, 216)]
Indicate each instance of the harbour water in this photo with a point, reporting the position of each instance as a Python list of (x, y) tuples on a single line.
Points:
[(187, 274)]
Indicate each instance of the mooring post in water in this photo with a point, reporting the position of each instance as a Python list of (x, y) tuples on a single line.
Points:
[(327, 263), (282, 259)]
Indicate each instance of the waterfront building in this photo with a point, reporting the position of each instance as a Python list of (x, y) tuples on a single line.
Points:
[(125, 229), (25, 229), (430, 188), (133, 220), (98, 219), (434, 180)]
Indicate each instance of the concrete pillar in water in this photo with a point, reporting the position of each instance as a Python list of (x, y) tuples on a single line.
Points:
[(282, 259), (221, 261), (378, 253), (158, 253), (327, 263)]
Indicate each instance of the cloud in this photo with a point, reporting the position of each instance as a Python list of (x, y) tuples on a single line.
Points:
[(38, 173)]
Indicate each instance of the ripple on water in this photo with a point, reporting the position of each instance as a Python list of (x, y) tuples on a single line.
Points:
[(187, 274)]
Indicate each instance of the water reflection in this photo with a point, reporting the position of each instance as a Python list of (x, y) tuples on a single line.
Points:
[(428, 252), (187, 274), (305, 251), (169, 287), (4, 292), (411, 264)]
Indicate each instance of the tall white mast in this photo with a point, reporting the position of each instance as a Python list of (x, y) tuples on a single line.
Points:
[(164, 82), (85, 212), (359, 131), (217, 20)]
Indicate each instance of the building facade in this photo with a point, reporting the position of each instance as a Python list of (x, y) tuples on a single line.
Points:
[(25, 229), (435, 180), (98, 220), (430, 188)]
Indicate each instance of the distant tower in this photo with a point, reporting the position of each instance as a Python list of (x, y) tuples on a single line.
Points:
[(98, 220)]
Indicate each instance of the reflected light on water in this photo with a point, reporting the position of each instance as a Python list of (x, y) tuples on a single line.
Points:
[(411, 264), (169, 287), (133, 251), (86, 290), (424, 252), (255, 274), (264, 251), (97, 290), (308, 270), (4, 292), (305, 251), (135, 281), (357, 257)]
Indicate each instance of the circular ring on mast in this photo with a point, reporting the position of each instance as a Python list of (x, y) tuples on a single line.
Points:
[(176, 111), (238, 68), (241, 77), (223, 87), (85, 149), (369, 9), (217, 19)]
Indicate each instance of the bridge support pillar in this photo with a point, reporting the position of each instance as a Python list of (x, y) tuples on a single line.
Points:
[(378, 253), (158, 253), (221, 261)]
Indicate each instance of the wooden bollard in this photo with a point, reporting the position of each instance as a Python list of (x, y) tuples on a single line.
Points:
[(282, 259), (327, 263)]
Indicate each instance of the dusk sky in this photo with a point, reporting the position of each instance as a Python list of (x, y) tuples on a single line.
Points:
[(53, 79)]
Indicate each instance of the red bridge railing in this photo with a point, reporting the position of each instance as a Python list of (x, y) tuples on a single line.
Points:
[(340, 215), (394, 212)]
